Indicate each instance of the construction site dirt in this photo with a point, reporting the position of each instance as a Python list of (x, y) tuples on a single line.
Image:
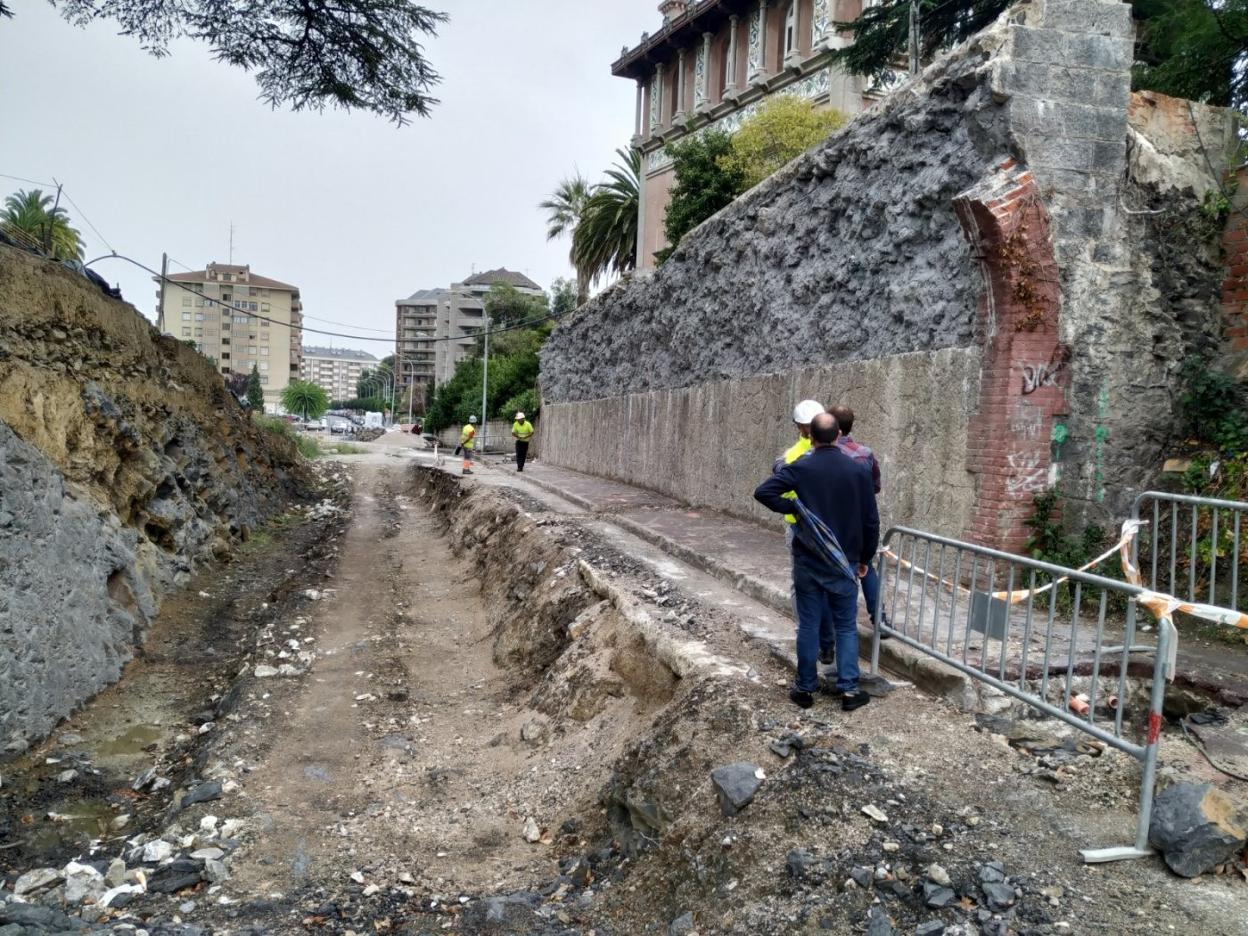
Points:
[(429, 704)]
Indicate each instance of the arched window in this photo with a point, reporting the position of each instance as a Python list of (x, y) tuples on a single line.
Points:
[(790, 31)]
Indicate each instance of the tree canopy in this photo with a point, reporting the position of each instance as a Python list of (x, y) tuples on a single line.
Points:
[(1194, 49), (704, 184), (605, 239), (782, 129), (255, 391), (306, 399), (352, 54), (513, 361)]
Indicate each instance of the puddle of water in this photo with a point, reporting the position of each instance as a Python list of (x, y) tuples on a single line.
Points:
[(131, 742), (69, 822)]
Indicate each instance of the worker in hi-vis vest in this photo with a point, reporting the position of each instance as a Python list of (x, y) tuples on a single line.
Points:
[(803, 413), (521, 431), (467, 438)]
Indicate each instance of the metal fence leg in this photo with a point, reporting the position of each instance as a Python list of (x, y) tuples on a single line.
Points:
[(1160, 674), (876, 615)]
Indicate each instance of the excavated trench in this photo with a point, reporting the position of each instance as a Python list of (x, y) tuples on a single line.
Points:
[(498, 719)]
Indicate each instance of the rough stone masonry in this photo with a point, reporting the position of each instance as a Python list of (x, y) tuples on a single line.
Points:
[(1001, 267), (124, 463)]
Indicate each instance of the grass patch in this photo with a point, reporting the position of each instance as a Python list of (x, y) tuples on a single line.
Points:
[(306, 444)]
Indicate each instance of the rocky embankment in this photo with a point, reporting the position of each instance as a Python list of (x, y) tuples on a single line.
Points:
[(124, 463)]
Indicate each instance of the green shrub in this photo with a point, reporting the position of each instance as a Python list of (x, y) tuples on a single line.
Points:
[(1211, 406), (305, 444)]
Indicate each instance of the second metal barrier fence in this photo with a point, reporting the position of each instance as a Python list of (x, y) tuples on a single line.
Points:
[(1059, 640), (1189, 547)]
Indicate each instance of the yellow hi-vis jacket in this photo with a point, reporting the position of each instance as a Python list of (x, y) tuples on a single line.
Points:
[(523, 431), (467, 435), (795, 451)]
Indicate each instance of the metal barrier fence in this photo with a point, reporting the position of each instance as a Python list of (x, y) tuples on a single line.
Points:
[(1200, 533), (982, 611)]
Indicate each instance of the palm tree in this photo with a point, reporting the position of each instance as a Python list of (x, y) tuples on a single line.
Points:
[(33, 213), (564, 209), (605, 241), (308, 399)]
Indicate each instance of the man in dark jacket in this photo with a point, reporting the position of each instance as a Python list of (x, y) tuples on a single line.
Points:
[(838, 492)]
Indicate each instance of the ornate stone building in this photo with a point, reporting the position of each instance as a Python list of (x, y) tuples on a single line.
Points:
[(711, 64)]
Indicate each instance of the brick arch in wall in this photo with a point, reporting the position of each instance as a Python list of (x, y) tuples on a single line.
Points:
[(1017, 432)]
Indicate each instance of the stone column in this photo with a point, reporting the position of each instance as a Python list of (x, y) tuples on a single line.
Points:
[(731, 83), (758, 43), (678, 112), (701, 74), (656, 100), (637, 112)]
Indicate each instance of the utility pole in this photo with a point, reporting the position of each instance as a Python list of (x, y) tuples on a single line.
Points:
[(916, 34), (485, 379), (56, 205), (231, 260), (164, 278)]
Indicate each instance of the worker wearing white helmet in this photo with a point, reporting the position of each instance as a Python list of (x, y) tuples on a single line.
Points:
[(803, 414), (521, 431)]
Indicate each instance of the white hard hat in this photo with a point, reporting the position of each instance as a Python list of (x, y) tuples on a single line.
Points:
[(519, 415), (806, 411), (473, 419)]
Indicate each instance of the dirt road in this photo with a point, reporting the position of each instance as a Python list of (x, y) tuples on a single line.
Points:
[(378, 766)]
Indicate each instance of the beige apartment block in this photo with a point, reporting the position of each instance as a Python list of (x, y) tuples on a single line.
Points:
[(712, 63), (239, 319), (435, 329), (336, 370)]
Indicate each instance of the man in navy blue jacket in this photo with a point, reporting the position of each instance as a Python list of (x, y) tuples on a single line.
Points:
[(839, 491)]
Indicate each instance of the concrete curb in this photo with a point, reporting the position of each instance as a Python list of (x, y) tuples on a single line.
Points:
[(926, 673)]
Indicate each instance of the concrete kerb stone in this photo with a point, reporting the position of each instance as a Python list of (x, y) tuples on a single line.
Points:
[(929, 675), (682, 656)]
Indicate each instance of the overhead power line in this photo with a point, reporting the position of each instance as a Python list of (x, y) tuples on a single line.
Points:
[(318, 331)]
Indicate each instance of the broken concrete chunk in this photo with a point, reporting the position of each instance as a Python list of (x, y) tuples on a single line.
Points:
[(938, 875), (37, 880), (878, 923), (1000, 896), (533, 730), (874, 813), (202, 793), (1197, 826), (157, 851), (937, 897), (735, 785), (263, 671), (82, 882), (683, 925), (531, 832)]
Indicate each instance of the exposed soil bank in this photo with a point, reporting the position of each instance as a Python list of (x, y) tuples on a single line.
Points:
[(124, 465)]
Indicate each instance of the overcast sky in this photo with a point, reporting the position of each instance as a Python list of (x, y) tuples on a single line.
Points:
[(162, 154)]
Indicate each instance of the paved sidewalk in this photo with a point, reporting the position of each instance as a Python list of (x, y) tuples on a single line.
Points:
[(755, 560)]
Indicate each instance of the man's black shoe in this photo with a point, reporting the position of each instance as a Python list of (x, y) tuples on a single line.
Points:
[(827, 656), (855, 701), (801, 699)]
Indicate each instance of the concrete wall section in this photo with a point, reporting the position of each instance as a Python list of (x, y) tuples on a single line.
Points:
[(710, 444)]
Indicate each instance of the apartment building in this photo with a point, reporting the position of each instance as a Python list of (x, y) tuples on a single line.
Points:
[(239, 319), (712, 63), (435, 329), (337, 370)]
